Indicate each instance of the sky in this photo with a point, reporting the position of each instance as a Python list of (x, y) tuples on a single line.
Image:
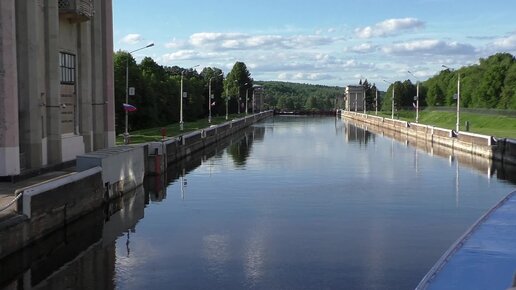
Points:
[(327, 42)]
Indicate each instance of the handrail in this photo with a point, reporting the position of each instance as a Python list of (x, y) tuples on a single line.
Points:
[(12, 201)]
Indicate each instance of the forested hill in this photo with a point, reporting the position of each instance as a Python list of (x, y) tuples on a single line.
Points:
[(295, 96)]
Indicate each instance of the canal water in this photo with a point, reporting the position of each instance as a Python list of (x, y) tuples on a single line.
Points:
[(290, 203)]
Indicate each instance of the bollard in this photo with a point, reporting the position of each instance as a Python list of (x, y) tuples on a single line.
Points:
[(467, 126), (163, 133)]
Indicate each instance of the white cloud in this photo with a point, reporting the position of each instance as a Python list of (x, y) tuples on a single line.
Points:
[(300, 76), (389, 27), (132, 38), (430, 47), (241, 41), (508, 43), (364, 48), (176, 44)]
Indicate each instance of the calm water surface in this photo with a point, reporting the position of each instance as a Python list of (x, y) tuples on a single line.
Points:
[(291, 203), (305, 203)]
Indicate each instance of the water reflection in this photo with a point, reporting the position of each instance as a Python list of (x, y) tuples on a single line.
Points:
[(361, 133), (81, 255), (321, 204), (355, 133)]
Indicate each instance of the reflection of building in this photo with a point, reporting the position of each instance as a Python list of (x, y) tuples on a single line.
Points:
[(56, 85), (354, 98), (353, 133)]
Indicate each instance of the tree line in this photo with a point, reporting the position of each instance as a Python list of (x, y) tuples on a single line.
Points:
[(491, 84), (158, 90), (300, 97)]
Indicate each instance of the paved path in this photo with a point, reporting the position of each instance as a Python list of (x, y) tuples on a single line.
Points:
[(7, 189)]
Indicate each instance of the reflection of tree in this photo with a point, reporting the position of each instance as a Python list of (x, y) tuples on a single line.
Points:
[(240, 150)]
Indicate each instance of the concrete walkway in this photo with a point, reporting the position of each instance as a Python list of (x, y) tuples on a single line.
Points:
[(8, 189)]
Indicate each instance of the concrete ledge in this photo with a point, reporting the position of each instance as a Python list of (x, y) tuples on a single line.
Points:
[(49, 206), (467, 142), (123, 167), (180, 147)]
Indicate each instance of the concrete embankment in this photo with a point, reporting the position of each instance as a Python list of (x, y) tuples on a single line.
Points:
[(503, 150), (100, 176)]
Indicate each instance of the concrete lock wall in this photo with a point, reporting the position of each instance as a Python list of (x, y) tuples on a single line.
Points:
[(467, 142), (48, 206), (101, 175), (123, 167), (177, 148)]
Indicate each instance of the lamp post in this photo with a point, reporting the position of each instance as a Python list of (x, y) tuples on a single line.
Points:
[(246, 97), (181, 96), (417, 96), (126, 133), (227, 97), (238, 97), (376, 100), (392, 101), (457, 125), (364, 93), (210, 97)]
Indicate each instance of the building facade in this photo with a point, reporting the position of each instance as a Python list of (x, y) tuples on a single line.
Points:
[(355, 98), (56, 81)]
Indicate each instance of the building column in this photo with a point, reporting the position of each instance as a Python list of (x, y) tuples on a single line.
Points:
[(31, 97), (9, 131), (109, 74), (84, 88), (52, 81), (98, 78)]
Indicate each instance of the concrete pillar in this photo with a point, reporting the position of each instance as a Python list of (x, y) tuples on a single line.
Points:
[(52, 81), (109, 87), (9, 134), (84, 89), (97, 76), (31, 98)]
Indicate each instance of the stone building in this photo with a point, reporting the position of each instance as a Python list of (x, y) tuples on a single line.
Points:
[(354, 96), (56, 81)]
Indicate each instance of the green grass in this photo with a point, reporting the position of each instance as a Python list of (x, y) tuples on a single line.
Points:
[(154, 134), (492, 125)]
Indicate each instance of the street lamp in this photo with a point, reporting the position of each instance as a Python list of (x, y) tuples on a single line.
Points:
[(457, 125), (376, 100), (364, 99), (227, 97), (126, 133), (392, 109), (417, 96), (210, 97), (181, 96), (246, 97), (238, 97)]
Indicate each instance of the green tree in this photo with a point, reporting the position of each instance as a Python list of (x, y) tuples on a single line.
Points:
[(508, 98)]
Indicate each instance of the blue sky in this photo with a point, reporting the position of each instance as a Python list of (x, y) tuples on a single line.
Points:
[(320, 42)]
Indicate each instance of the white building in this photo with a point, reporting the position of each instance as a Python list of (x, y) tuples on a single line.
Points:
[(56, 81), (355, 98)]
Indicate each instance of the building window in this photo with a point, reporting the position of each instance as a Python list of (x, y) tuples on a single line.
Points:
[(67, 66)]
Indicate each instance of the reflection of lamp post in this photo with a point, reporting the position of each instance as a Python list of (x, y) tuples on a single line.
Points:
[(126, 133), (210, 97), (392, 109), (457, 125), (417, 97), (181, 96)]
